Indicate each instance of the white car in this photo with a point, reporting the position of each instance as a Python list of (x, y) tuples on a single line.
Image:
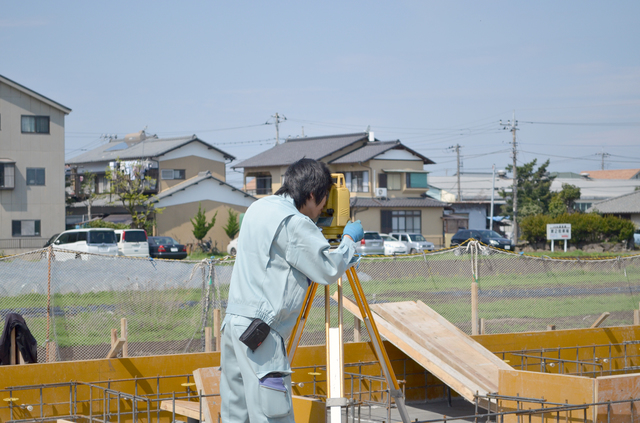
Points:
[(232, 248), (89, 240), (392, 246), (132, 242)]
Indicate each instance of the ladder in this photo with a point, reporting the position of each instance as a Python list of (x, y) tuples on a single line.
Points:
[(335, 344)]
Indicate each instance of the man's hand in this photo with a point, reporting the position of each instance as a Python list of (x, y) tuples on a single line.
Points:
[(354, 231)]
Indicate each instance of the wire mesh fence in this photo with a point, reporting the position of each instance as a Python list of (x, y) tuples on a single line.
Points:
[(71, 301)]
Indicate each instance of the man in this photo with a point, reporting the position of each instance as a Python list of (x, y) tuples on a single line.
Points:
[(280, 251)]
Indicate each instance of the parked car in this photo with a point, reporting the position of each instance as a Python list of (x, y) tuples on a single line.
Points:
[(485, 236), (415, 242), (132, 242), (165, 247), (88, 240), (393, 246), (232, 248), (371, 244)]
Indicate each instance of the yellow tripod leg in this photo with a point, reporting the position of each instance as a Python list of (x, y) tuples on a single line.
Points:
[(378, 347), (296, 334)]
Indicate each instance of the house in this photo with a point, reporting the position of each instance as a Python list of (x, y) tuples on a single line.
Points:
[(626, 206), (187, 171), (386, 180), (32, 141)]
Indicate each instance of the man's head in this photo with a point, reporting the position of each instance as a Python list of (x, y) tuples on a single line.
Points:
[(304, 180)]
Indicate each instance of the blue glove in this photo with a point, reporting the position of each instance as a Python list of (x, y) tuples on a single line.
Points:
[(354, 230)]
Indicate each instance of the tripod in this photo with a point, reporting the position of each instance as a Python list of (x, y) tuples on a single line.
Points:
[(335, 343)]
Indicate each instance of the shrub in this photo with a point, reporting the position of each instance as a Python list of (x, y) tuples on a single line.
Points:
[(585, 228)]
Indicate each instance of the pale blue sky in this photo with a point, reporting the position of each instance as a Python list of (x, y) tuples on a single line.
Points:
[(431, 74)]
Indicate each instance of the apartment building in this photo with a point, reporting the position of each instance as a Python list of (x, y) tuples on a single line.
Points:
[(32, 180)]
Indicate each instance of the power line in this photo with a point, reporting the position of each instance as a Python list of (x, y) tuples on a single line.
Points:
[(586, 124)]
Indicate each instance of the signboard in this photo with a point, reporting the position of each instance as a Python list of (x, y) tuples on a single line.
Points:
[(558, 231)]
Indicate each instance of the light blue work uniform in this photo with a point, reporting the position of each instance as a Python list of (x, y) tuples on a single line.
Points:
[(280, 251)]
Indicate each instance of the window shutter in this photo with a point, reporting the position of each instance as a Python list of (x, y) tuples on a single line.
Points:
[(385, 221), (382, 180)]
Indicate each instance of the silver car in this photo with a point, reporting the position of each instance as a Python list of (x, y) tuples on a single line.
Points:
[(371, 244), (415, 242)]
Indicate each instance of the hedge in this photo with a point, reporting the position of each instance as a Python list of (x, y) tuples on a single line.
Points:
[(585, 227)]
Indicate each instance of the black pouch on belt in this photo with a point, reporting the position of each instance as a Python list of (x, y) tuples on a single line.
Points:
[(255, 334)]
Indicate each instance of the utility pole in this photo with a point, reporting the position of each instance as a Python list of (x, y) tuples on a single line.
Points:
[(457, 150), (603, 154), (493, 190), (277, 118), (512, 125)]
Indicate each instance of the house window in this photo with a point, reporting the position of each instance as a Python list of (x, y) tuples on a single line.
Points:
[(172, 173), (390, 181), (357, 181), (25, 228), (405, 221), (35, 176), (7, 178), (417, 180), (263, 185), (35, 124)]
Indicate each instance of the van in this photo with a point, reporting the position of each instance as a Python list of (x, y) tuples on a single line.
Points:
[(132, 242), (89, 240)]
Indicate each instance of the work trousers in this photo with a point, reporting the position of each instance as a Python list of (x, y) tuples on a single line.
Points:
[(254, 386)]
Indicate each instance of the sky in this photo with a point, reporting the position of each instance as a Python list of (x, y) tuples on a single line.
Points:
[(431, 74)]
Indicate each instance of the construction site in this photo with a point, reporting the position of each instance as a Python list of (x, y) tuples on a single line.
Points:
[(470, 333)]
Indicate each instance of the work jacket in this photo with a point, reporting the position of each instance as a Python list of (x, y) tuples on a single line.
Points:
[(280, 251)]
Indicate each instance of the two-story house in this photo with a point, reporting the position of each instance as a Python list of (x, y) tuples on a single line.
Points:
[(187, 172), (32, 182), (387, 180)]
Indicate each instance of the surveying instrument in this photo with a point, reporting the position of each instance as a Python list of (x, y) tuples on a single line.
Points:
[(335, 215)]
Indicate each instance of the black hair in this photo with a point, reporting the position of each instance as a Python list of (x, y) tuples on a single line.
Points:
[(306, 177)]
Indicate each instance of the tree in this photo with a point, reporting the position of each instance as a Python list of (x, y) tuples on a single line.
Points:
[(233, 227), (128, 183), (564, 201), (534, 190), (87, 192), (200, 225)]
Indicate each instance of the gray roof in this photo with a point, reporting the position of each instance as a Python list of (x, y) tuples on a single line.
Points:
[(202, 176), (131, 150), (396, 202), (375, 148), (298, 148), (627, 203)]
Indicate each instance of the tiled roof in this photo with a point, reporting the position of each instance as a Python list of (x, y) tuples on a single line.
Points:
[(623, 204), (612, 174), (130, 150), (373, 149), (297, 148), (396, 202)]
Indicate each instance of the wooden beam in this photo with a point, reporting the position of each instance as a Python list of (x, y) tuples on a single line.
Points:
[(551, 327), (217, 322), (116, 348), (124, 335), (207, 339), (601, 319), (636, 317), (189, 409)]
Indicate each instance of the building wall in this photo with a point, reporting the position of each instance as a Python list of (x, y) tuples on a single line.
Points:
[(477, 214), (192, 166), (45, 203), (175, 221)]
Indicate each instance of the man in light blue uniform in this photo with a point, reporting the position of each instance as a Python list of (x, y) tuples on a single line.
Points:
[(280, 251)]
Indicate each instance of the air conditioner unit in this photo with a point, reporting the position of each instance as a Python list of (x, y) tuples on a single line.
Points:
[(381, 192)]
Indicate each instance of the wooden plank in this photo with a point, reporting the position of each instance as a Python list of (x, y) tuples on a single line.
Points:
[(615, 388), (460, 383), (448, 345), (308, 410), (184, 408), (116, 348), (208, 383), (601, 319)]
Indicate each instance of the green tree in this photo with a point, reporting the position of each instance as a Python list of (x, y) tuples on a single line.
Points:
[(200, 225), (128, 184), (564, 201), (233, 226), (534, 190), (87, 192)]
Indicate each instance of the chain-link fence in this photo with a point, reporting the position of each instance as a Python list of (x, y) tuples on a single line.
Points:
[(73, 300)]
